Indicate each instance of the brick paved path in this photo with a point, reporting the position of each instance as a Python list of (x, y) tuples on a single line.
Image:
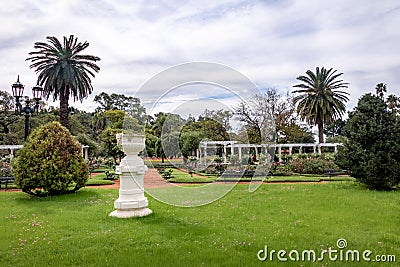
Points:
[(152, 179)]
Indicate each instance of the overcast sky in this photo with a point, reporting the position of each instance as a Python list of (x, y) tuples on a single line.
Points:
[(271, 42)]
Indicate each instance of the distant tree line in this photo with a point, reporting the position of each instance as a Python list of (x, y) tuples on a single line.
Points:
[(371, 135)]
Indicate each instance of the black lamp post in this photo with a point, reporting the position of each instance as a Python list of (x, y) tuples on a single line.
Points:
[(29, 108)]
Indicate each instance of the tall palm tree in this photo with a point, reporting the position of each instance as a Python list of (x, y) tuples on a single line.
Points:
[(63, 71), (320, 100), (380, 90)]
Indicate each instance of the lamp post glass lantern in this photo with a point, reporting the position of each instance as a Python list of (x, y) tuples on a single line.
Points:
[(29, 108)]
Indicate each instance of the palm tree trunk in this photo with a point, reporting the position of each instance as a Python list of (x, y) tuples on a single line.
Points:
[(320, 131), (64, 119)]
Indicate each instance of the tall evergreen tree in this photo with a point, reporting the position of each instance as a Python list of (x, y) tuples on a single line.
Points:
[(371, 151)]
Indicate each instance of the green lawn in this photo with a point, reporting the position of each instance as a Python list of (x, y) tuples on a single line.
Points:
[(94, 180), (291, 178), (184, 177), (98, 179), (102, 169), (75, 229)]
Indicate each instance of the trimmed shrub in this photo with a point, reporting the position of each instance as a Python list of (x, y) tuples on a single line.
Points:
[(218, 159), (312, 165), (50, 163)]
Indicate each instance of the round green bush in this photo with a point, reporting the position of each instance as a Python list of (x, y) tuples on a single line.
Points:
[(50, 163)]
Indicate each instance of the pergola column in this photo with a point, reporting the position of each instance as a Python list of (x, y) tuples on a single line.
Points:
[(86, 153), (280, 153), (225, 154)]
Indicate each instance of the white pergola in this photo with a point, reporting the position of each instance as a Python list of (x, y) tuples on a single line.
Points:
[(204, 145), (233, 145), (300, 146), (12, 148), (85, 152)]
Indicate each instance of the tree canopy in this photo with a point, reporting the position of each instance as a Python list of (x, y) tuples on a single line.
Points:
[(63, 71), (371, 151), (274, 116), (320, 100)]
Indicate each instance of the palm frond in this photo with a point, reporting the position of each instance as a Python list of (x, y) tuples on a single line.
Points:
[(320, 98), (62, 69)]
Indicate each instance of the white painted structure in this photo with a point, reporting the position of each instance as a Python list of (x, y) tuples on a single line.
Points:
[(213, 144), (85, 150), (131, 201), (11, 148), (300, 146), (234, 146)]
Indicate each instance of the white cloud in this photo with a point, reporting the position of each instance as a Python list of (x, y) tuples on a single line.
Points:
[(271, 42)]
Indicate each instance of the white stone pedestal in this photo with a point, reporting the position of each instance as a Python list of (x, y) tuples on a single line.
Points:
[(131, 201)]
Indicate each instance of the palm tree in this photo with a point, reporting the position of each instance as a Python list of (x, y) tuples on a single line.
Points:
[(380, 90), (63, 71), (320, 100)]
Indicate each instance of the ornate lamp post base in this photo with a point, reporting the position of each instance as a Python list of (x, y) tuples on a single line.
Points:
[(131, 201)]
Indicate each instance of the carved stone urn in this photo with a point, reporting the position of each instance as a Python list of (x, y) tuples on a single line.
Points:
[(131, 201)]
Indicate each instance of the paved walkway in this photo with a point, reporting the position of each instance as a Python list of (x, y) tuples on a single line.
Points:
[(152, 179)]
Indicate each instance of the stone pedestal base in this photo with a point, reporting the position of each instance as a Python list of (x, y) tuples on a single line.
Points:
[(128, 213), (131, 201)]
